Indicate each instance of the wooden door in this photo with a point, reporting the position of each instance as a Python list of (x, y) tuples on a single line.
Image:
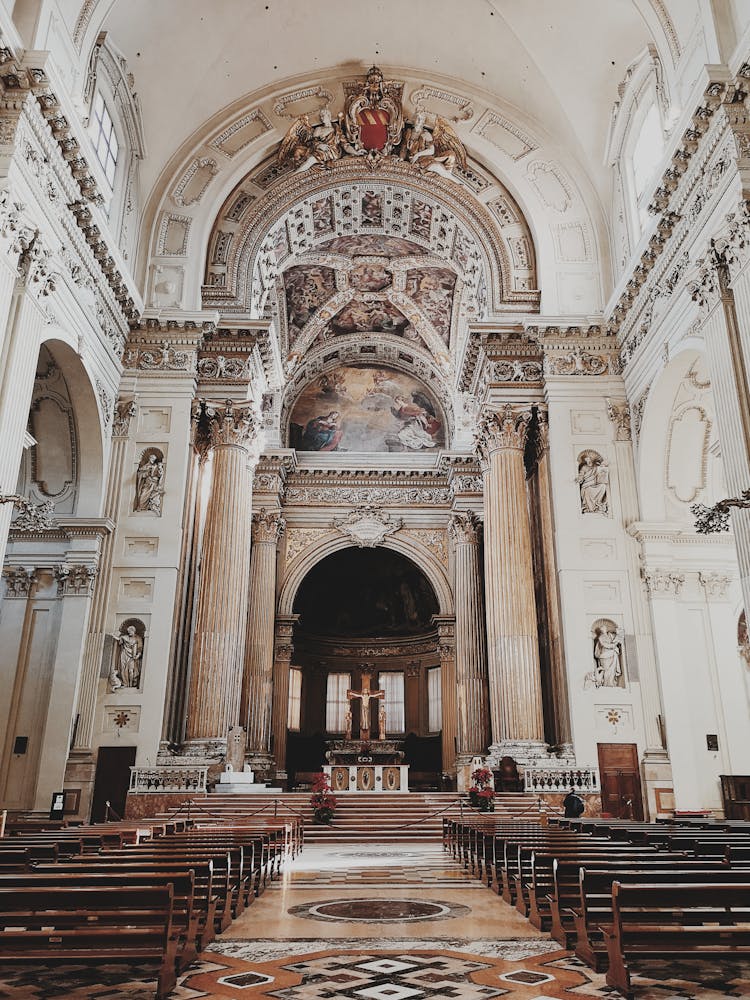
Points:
[(621, 780), (111, 781)]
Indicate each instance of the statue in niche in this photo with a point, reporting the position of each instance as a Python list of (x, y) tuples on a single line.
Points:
[(128, 657), (608, 656), (148, 482), (593, 483), (381, 721), (348, 725)]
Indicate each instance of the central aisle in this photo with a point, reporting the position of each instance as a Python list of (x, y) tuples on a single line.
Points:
[(354, 921)]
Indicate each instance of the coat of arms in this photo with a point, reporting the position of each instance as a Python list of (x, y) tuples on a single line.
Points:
[(372, 126)]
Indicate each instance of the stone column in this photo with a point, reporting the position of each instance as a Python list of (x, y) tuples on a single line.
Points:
[(257, 684), (512, 641), (283, 652), (220, 622), (465, 531), (664, 585), (446, 626), (562, 730)]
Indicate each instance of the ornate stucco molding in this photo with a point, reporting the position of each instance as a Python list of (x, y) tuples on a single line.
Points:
[(618, 412), (465, 528), (662, 582), (267, 527), (368, 526), (507, 429)]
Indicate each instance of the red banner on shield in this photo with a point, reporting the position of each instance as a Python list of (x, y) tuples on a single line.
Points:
[(373, 127)]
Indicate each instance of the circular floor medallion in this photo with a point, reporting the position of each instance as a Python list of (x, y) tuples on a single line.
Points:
[(379, 911), (379, 854)]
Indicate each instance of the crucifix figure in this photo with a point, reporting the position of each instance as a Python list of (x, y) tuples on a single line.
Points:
[(364, 714)]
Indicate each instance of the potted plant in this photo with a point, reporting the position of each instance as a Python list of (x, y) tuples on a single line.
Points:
[(481, 793), (322, 800)]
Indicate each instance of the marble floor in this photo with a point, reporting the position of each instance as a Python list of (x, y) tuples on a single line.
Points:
[(351, 922)]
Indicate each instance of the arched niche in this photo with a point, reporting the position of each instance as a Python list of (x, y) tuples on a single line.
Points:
[(88, 430), (422, 558), (677, 462)]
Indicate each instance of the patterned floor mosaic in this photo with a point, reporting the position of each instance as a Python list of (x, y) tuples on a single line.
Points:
[(350, 958)]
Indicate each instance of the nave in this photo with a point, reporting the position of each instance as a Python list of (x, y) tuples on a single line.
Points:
[(406, 920)]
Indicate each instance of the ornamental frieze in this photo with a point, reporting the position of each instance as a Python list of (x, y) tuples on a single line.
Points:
[(347, 496)]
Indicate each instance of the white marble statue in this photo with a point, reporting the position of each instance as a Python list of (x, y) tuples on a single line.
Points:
[(148, 485), (593, 482), (126, 664)]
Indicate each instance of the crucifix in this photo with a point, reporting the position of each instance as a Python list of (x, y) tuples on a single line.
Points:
[(364, 712)]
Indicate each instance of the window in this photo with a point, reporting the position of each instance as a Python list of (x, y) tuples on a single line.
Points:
[(434, 700), (294, 714), (393, 685), (647, 151), (104, 139), (337, 703)]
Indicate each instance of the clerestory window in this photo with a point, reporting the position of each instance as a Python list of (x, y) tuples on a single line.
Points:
[(104, 138)]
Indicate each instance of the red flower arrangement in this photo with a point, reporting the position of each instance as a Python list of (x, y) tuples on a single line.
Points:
[(481, 793), (322, 800)]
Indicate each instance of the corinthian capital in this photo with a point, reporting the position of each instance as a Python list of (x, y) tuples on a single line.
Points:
[(504, 430), (268, 526), (219, 424), (465, 528)]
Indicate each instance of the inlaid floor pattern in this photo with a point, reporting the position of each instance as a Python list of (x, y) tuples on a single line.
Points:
[(358, 922)]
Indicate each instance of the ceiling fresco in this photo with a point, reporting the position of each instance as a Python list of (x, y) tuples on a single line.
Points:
[(307, 287), (363, 315), (432, 289), (373, 244)]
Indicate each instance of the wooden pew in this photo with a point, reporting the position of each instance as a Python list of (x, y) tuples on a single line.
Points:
[(205, 895), (185, 916), (91, 925), (594, 912), (689, 922), (565, 897)]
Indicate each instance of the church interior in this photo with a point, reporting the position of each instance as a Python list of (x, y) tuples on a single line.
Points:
[(374, 499)]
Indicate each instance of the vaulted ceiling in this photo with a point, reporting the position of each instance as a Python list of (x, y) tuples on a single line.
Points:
[(560, 62)]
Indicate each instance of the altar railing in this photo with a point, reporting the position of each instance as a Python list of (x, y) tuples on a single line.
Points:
[(168, 779), (540, 778)]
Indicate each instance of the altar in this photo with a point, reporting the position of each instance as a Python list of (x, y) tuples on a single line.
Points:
[(366, 765)]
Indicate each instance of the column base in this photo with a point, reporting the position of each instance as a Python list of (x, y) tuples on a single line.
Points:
[(205, 751), (80, 771), (261, 763), (523, 752), (658, 788)]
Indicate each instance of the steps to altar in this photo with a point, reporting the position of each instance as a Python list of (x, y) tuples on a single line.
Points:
[(364, 817)]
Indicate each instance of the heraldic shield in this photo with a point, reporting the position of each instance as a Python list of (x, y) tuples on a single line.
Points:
[(373, 127)]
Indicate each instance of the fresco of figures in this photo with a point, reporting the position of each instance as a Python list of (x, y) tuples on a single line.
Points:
[(361, 409), (307, 287)]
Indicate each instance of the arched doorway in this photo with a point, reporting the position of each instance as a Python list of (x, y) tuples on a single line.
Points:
[(361, 611)]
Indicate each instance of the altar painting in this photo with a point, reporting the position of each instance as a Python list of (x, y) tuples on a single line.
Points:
[(366, 409)]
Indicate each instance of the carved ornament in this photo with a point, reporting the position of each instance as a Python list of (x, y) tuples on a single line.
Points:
[(218, 425), (619, 413), (125, 410), (663, 582), (76, 580), (18, 581), (465, 528), (367, 526), (506, 429), (267, 527), (715, 585), (432, 539)]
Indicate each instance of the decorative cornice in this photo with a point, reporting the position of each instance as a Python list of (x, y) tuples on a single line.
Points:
[(125, 410), (507, 429), (715, 585), (465, 528), (267, 527), (220, 426), (663, 582), (619, 413)]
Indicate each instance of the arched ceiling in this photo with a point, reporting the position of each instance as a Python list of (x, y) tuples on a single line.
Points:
[(559, 62)]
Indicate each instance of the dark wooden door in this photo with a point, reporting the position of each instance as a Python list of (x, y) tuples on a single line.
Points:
[(621, 780), (111, 781)]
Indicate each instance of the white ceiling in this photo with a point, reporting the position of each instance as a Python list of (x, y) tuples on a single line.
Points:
[(558, 61)]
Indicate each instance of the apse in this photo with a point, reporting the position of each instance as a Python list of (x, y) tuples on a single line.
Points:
[(366, 593)]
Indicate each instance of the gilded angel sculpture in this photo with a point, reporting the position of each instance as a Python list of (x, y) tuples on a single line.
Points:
[(436, 150), (307, 145)]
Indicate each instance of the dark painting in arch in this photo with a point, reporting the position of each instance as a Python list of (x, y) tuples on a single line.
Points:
[(366, 409)]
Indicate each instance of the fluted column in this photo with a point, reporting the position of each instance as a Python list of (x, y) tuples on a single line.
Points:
[(446, 627), (512, 640), (220, 621), (257, 684), (283, 651), (562, 730), (471, 657)]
